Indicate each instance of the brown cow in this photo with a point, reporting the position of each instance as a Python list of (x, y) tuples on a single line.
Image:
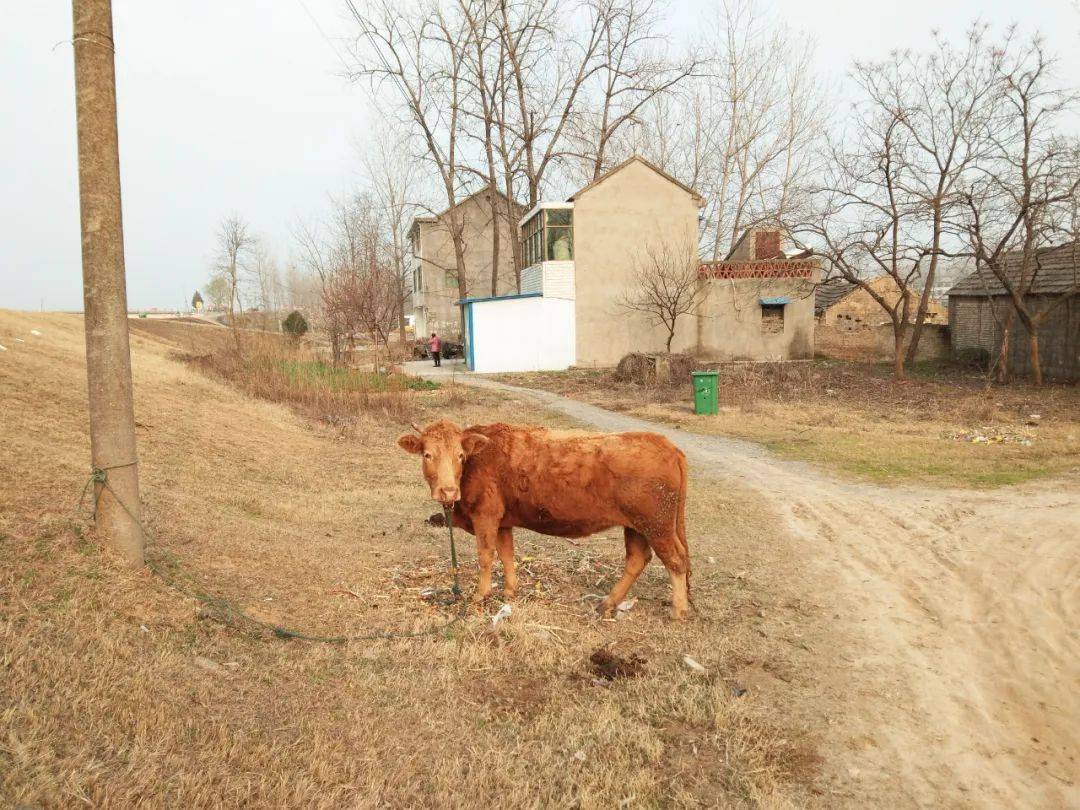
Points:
[(498, 477)]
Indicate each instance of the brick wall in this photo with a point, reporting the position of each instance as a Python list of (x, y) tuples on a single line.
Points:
[(876, 343)]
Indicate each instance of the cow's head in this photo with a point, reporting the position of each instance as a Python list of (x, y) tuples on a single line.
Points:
[(444, 447)]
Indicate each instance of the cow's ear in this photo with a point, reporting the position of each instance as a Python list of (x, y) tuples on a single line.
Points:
[(410, 443), (473, 443)]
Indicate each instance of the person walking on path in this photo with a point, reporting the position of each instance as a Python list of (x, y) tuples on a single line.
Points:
[(435, 345)]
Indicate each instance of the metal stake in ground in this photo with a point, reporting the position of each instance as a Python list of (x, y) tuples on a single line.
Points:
[(108, 359)]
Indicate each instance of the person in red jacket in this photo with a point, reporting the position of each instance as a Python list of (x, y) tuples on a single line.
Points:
[(435, 346)]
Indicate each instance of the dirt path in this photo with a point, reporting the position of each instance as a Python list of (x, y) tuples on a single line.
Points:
[(947, 662)]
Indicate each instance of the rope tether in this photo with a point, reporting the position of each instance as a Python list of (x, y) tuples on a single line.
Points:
[(232, 616), (449, 518)]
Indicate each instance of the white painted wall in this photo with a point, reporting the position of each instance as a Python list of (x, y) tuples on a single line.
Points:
[(559, 279), (523, 334), (553, 279)]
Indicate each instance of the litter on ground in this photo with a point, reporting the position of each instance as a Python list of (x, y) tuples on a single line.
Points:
[(692, 664)]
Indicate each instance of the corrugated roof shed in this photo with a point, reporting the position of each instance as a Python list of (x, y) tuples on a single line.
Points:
[(1056, 270), (831, 291)]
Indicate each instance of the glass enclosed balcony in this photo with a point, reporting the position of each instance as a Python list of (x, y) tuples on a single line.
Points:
[(547, 240), (547, 233)]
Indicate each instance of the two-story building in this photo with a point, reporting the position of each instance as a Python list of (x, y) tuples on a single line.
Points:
[(434, 277)]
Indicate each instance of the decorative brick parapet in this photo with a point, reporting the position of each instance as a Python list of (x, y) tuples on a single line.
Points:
[(778, 268)]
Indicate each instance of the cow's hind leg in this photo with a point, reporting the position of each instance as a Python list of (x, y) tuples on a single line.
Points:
[(675, 559), (638, 555), (504, 544)]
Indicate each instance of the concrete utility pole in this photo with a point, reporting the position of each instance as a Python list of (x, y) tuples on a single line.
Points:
[(108, 357)]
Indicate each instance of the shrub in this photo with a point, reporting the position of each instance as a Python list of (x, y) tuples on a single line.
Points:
[(973, 359), (295, 325)]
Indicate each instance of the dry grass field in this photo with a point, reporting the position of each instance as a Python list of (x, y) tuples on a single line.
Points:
[(118, 690), (941, 427)]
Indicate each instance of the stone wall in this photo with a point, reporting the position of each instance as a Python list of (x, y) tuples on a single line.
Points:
[(858, 310)]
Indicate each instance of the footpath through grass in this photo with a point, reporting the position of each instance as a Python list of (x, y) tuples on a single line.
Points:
[(941, 427)]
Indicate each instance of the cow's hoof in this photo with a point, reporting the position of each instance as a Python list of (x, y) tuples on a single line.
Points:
[(680, 615), (509, 593), (605, 609), (478, 597)]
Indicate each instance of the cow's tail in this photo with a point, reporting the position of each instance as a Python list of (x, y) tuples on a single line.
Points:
[(680, 521)]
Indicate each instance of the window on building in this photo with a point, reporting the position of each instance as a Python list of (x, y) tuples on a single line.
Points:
[(772, 318), (560, 235), (548, 236), (418, 279)]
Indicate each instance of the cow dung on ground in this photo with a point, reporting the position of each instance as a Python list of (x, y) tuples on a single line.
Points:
[(609, 665)]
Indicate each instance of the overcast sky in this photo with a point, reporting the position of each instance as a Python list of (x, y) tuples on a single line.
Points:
[(238, 106)]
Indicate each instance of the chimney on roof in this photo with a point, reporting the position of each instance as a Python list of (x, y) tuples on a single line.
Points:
[(758, 244), (767, 243)]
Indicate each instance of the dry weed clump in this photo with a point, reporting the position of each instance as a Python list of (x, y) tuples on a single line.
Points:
[(275, 370)]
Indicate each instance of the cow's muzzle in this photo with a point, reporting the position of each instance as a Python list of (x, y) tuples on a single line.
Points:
[(448, 496)]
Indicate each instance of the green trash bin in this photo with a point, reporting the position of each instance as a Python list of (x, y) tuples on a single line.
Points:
[(706, 391)]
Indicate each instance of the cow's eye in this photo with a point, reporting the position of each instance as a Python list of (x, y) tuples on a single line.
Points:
[(461, 456), (427, 456)]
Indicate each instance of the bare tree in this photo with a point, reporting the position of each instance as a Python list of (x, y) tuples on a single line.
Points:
[(266, 282), (630, 75), (1022, 198), (759, 110), (487, 83), (418, 56), (548, 65), (943, 99), (864, 219), (317, 255), (235, 245), (394, 179), (667, 285)]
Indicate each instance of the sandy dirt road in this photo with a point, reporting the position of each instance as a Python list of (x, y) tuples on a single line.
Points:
[(946, 637)]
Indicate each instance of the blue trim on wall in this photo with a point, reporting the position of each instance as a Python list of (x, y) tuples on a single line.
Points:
[(774, 302), (467, 301), (470, 346)]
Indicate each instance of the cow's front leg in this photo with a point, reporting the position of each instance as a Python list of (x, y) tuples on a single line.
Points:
[(505, 545), (485, 555)]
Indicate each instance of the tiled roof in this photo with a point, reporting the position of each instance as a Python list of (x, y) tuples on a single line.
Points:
[(831, 291), (1055, 269)]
